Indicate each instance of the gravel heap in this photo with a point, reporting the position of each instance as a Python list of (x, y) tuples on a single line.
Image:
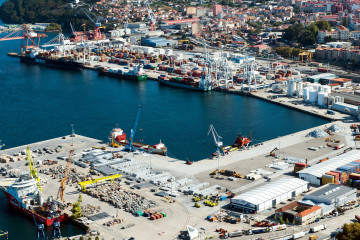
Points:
[(317, 133), (336, 128)]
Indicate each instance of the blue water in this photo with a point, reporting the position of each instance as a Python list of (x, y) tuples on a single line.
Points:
[(38, 103)]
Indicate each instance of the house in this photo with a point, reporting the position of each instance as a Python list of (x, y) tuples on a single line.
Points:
[(299, 213)]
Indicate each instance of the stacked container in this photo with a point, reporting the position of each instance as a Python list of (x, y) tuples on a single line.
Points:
[(299, 166), (327, 179)]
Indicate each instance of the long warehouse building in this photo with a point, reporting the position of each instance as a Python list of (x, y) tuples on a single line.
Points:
[(268, 195), (314, 174)]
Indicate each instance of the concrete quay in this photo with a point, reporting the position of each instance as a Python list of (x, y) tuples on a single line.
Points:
[(182, 212)]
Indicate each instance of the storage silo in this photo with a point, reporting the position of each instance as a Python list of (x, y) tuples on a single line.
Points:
[(291, 88), (321, 98), (306, 94), (313, 95)]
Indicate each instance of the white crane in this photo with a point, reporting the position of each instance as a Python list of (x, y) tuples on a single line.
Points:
[(151, 16), (218, 143)]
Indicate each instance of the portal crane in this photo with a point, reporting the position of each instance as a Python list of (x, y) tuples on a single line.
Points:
[(39, 227), (97, 33), (151, 15), (33, 171), (133, 131), (218, 144), (65, 178)]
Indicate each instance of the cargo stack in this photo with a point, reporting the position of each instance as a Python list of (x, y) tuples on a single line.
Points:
[(299, 167), (355, 180), (325, 179), (336, 176)]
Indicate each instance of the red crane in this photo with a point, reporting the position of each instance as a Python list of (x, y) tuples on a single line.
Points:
[(30, 39)]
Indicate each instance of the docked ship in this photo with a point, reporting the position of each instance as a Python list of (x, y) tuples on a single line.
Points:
[(135, 74), (25, 196), (118, 136), (188, 83), (242, 141), (40, 58)]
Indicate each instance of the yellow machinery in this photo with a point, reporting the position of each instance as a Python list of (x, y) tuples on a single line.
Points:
[(33, 171), (65, 178), (97, 180), (102, 148), (113, 144), (307, 56)]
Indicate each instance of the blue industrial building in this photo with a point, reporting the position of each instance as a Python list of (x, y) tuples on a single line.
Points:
[(155, 41)]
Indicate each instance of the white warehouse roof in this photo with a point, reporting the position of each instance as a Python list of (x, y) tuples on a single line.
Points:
[(271, 190), (333, 163)]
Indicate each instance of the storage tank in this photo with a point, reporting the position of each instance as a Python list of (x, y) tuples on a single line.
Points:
[(321, 98), (299, 85), (313, 95), (327, 89), (306, 94), (291, 88)]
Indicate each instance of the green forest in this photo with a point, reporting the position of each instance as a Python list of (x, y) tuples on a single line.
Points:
[(45, 11)]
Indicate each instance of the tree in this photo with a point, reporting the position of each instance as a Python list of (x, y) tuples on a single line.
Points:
[(76, 210), (350, 231), (323, 25), (80, 198)]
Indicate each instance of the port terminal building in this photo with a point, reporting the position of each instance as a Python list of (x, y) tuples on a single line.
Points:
[(268, 195)]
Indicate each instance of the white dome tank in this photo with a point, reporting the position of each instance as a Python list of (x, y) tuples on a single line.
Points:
[(291, 88), (321, 98), (299, 85), (327, 89), (313, 94)]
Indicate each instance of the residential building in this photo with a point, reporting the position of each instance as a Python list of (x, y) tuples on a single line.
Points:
[(299, 213), (216, 9), (344, 33)]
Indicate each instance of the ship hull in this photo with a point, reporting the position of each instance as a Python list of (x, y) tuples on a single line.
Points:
[(47, 221), (149, 148), (124, 77), (51, 62), (180, 85)]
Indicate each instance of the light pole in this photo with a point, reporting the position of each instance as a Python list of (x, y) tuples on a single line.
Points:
[(150, 162), (72, 134), (1, 145)]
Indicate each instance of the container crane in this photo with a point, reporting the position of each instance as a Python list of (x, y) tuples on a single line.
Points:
[(33, 171), (65, 178), (30, 39), (97, 32), (133, 131), (218, 144), (56, 230), (151, 15)]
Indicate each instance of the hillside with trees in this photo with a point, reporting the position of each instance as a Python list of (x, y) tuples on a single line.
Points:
[(47, 11)]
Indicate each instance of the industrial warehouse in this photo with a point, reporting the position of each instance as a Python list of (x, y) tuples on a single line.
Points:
[(322, 171), (269, 195)]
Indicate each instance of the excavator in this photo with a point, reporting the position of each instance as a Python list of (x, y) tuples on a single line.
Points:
[(273, 152), (65, 178)]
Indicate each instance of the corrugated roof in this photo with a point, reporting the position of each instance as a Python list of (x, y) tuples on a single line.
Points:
[(271, 190), (333, 163)]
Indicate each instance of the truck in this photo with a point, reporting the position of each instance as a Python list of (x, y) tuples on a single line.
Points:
[(298, 235), (234, 234), (318, 228)]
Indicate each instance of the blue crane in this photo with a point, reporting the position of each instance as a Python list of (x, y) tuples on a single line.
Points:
[(39, 228), (56, 230), (133, 131)]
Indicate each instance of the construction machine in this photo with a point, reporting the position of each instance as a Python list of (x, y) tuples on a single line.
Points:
[(65, 178), (273, 152), (33, 171)]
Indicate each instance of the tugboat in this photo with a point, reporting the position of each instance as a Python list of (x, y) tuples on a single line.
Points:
[(242, 141)]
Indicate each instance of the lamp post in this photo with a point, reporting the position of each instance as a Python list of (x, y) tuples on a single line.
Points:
[(1, 145), (72, 134)]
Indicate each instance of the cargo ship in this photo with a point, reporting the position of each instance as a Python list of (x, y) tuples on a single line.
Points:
[(135, 74), (118, 136), (38, 58), (187, 83), (25, 196)]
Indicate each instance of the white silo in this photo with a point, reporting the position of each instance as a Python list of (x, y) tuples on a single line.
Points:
[(306, 94), (313, 94), (291, 88), (327, 89), (299, 85), (321, 98)]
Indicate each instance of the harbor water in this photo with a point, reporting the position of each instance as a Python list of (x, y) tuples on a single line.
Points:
[(39, 103)]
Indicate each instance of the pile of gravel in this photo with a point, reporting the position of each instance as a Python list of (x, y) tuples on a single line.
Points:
[(317, 133), (336, 128)]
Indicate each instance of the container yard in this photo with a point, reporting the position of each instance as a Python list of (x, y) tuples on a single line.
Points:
[(121, 195)]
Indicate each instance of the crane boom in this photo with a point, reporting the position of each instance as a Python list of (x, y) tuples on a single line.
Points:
[(133, 131), (33, 171), (87, 13), (217, 138), (65, 178)]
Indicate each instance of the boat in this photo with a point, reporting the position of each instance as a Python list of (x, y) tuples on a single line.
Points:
[(35, 57), (117, 134), (135, 74), (25, 196), (242, 141), (187, 83), (159, 148)]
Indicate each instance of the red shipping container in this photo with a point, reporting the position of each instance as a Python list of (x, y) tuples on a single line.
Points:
[(300, 164), (354, 176)]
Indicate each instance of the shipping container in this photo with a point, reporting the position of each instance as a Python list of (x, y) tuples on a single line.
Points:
[(354, 176), (326, 179)]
